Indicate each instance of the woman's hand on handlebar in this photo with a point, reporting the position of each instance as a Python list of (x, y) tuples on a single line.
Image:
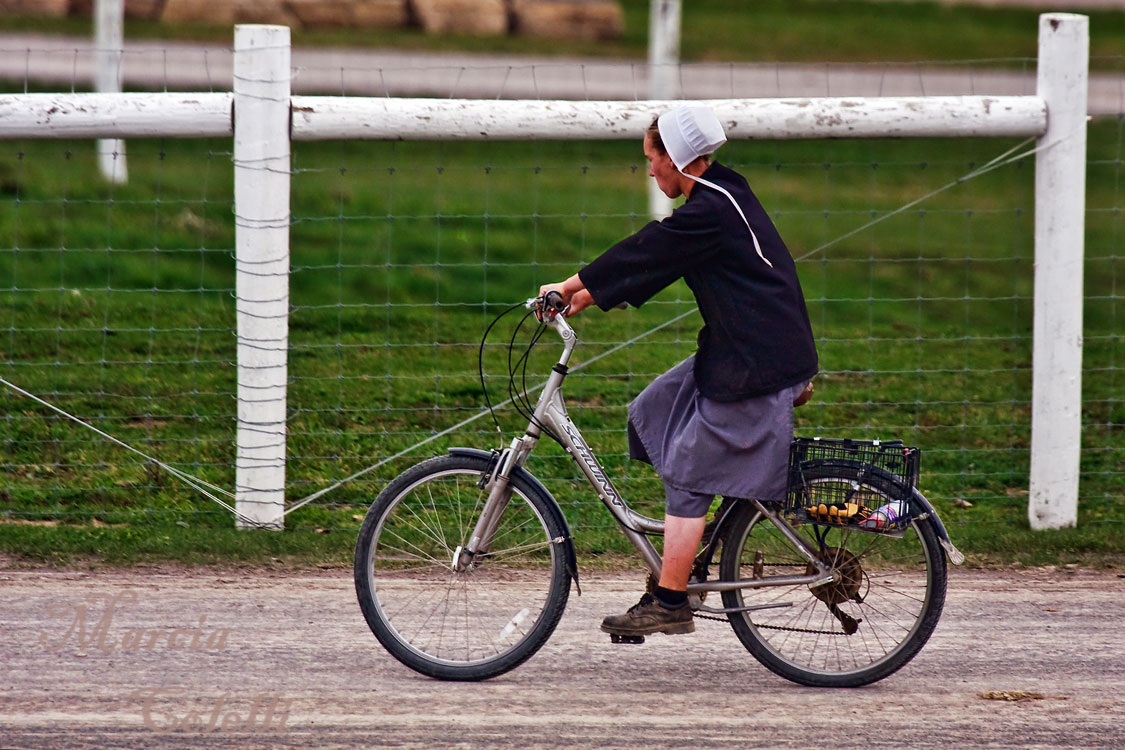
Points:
[(579, 301), (573, 292), (559, 289)]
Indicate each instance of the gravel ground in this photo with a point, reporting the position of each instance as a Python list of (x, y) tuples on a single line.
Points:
[(209, 651)]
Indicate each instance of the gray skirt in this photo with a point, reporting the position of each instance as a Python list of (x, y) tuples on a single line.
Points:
[(704, 447)]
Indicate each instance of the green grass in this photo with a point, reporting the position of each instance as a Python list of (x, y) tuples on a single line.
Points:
[(117, 306), (766, 31)]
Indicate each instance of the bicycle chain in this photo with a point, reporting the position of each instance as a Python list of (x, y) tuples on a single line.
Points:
[(710, 617), (773, 627)]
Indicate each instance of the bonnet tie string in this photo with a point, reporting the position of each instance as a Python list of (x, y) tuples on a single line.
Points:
[(737, 207)]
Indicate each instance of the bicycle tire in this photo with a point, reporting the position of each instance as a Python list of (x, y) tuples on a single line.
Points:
[(893, 588), (451, 625)]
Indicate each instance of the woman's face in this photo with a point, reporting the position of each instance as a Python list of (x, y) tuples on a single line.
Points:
[(661, 168)]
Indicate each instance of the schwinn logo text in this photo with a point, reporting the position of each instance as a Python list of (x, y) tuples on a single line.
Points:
[(592, 464)]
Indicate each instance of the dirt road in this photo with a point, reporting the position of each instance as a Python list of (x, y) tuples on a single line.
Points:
[(246, 659)]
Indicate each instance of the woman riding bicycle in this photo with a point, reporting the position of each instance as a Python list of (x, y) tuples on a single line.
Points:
[(720, 422)]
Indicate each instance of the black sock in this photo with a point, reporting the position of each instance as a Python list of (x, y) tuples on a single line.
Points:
[(670, 598)]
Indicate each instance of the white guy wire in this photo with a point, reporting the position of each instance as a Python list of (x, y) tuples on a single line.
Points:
[(194, 482), (1000, 161)]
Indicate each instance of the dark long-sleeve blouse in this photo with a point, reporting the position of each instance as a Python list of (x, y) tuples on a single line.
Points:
[(756, 337)]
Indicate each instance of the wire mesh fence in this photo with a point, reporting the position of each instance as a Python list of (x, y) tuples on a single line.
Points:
[(118, 299)]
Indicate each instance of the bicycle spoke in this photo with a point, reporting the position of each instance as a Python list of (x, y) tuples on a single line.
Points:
[(478, 505), (440, 530), (520, 551), (513, 529), (421, 554), (403, 606), (437, 536)]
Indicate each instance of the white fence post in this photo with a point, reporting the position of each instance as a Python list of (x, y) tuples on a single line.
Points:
[(664, 81), (1060, 208), (109, 41), (261, 208)]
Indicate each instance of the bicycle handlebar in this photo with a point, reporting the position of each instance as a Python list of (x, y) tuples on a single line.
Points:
[(551, 302), (554, 301)]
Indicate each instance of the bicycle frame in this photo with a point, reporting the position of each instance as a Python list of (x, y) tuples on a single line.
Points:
[(550, 412)]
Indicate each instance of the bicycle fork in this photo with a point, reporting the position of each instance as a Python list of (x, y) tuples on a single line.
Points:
[(499, 493), (516, 455)]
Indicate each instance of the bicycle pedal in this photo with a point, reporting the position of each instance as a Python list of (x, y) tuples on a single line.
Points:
[(616, 638)]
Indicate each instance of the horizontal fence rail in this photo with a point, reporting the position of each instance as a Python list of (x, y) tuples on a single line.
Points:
[(326, 117), (156, 115), (176, 115)]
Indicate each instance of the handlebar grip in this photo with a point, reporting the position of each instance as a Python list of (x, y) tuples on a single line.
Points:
[(554, 301)]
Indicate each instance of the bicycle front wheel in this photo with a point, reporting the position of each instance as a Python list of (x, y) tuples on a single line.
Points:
[(460, 625), (868, 623)]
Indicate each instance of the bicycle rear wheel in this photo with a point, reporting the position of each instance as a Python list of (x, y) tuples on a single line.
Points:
[(460, 625), (868, 623)]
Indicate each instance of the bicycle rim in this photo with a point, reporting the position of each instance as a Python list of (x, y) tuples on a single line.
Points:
[(864, 626), (452, 624)]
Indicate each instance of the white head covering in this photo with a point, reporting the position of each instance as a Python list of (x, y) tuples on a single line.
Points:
[(690, 132)]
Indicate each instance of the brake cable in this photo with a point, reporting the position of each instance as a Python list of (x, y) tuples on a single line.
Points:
[(519, 397)]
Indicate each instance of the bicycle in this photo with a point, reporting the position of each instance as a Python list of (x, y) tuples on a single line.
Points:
[(464, 562)]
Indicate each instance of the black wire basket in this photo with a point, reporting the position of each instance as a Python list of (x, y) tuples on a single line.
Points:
[(866, 485)]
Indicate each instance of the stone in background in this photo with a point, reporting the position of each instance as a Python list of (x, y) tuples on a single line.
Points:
[(349, 13), (568, 19), (477, 17), (381, 13), (562, 19), (55, 8)]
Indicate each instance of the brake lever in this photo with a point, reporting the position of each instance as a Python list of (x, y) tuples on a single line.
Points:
[(542, 305), (550, 313)]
